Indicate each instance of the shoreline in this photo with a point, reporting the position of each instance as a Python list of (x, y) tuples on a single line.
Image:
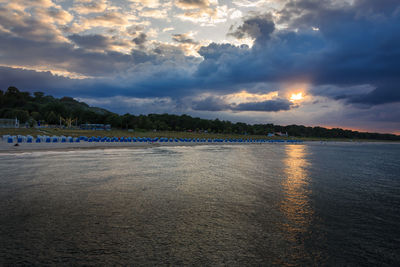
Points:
[(61, 147), (7, 148)]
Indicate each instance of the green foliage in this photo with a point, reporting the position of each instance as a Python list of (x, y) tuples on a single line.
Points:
[(27, 108), (52, 118), (14, 103), (38, 95), (36, 116)]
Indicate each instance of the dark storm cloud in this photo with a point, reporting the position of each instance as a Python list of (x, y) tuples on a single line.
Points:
[(216, 66), (389, 93), (95, 41), (210, 104), (219, 104), (257, 27), (268, 105), (31, 81), (215, 51)]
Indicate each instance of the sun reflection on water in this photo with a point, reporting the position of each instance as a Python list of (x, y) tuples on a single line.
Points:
[(295, 205)]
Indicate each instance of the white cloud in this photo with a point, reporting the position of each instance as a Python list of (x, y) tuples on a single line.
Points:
[(153, 33), (248, 3), (155, 13), (236, 14), (146, 3), (206, 17), (168, 29), (109, 19)]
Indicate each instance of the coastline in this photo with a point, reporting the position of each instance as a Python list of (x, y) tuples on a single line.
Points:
[(7, 148), (33, 147)]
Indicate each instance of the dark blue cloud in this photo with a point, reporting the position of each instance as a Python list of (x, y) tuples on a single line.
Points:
[(32, 81), (210, 104), (90, 41), (219, 104), (389, 93), (268, 105), (259, 28)]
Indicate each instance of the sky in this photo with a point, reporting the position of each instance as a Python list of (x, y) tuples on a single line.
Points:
[(311, 62)]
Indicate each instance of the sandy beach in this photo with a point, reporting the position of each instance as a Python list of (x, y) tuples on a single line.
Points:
[(27, 147), (31, 147)]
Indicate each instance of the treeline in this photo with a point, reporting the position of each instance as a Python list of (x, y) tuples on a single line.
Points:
[(47, 109)]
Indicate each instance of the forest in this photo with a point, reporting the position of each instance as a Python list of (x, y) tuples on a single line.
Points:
[(38, 107)]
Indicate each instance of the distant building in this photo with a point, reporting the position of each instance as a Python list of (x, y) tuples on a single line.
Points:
[(270, 134), (9, 123), (99, 127), (281, 134)]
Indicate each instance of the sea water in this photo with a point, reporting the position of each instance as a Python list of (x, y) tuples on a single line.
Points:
[(270, 204)]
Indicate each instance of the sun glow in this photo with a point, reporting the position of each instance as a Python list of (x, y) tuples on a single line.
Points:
[(296, 97)]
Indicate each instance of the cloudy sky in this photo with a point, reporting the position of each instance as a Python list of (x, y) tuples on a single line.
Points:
[(313, 62)]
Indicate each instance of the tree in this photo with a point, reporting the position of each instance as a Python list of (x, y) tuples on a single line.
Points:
[(52, 118), (12, 91), (114, 120), (36, 116), (21, 115), (38, 95)]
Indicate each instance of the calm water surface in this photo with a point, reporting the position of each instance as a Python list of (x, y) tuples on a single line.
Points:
[(311, 204)]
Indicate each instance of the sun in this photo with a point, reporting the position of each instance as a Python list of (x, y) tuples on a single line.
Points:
[(296, 97)]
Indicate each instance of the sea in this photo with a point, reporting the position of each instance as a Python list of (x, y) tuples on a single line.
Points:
[(310, 204)]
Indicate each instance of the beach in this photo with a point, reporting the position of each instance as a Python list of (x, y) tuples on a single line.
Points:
[(27, 147), (31, 147)]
